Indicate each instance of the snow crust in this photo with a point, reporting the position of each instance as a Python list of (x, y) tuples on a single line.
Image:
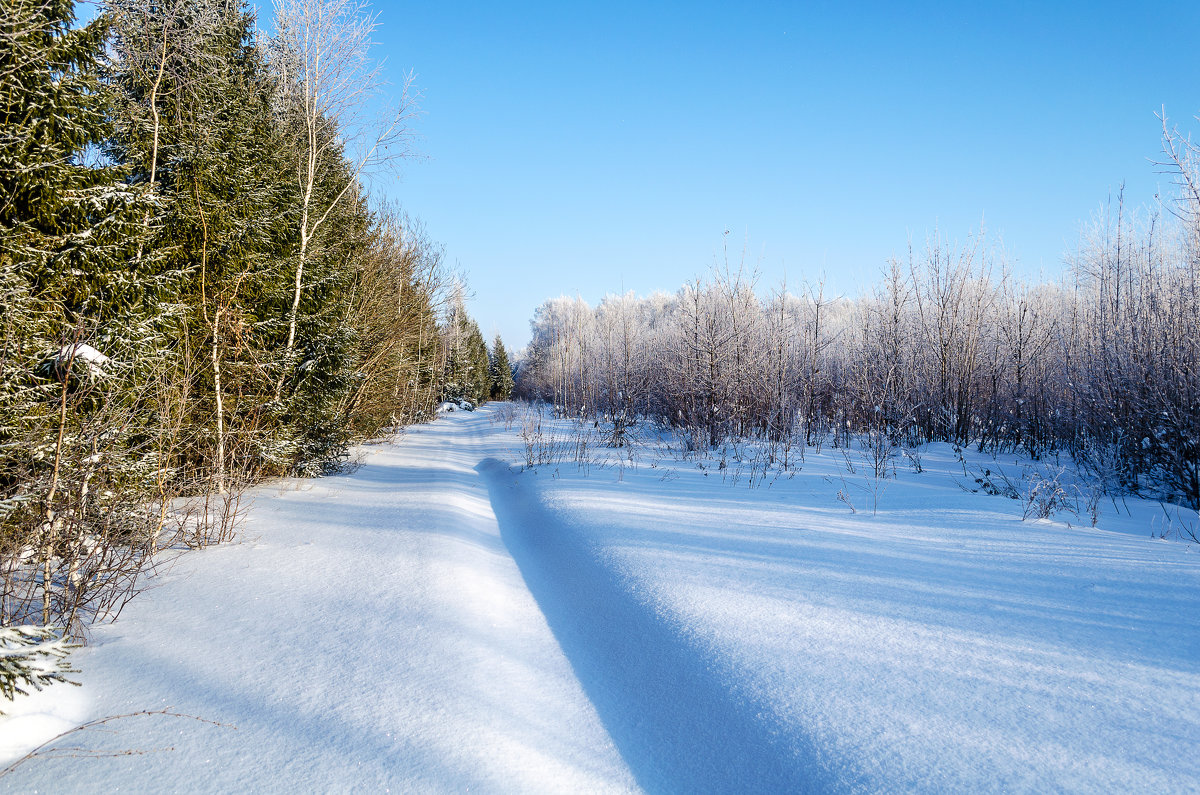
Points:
[(443, 620)]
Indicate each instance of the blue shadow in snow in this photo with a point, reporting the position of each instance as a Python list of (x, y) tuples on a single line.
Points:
[(678, 722)]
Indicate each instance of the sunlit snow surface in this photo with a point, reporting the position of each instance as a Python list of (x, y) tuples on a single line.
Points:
[(440, 620)]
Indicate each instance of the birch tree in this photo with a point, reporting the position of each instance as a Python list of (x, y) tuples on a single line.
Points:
[(328, 79)]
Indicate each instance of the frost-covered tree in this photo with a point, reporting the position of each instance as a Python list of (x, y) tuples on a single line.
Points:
[(197, 128), (1101, 366)]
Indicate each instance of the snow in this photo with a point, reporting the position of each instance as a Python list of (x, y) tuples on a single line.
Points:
[(81, 351), (440, 620), (370, 631), (447, 406)]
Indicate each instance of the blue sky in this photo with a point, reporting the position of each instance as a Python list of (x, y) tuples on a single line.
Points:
[(593, 147)]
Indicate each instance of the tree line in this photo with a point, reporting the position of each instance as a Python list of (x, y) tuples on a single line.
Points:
[(1101, 365), (197, 289)]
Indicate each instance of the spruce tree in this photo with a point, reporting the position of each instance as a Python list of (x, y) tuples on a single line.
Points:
[(222, 164), (478, 378), (467, 372), (81, 338), (501, 371), (32, 657)]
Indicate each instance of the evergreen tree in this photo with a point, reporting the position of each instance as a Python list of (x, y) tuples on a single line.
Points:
[(197, 128), (223, 162), (317, 392), (467, 373), (156, 338), (501, 372), (82, 336), (478, 376), (64, 224), (32, 657)]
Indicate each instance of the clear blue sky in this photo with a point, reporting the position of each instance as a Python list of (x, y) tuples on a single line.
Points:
[(593, 147)]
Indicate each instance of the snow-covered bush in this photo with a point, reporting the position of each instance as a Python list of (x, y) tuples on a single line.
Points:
[(1045, 495)]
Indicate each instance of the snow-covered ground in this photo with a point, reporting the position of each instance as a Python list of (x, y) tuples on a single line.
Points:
[(442, 620), (369, 632)]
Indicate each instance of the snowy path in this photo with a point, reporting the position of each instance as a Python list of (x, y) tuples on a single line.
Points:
[(370, 633), (440, 621)]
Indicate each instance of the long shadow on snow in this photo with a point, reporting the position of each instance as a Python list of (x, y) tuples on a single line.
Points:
[(678, 723)]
